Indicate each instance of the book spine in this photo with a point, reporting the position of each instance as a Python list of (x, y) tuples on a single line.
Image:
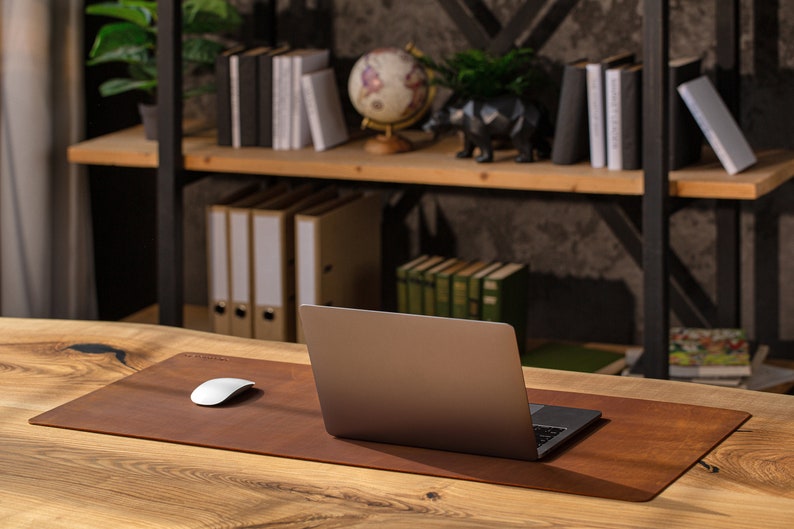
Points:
[(685, 138), (402, 290), (571, 142), (491, 300), (595, 112), (474, 297), (223, 101), (248, 101), (282, 102), (443, 295), (313, 113), (460, 292), (631, 118), (429, 293), (614, 120), (415, 293), (234, 90), (265, 106)]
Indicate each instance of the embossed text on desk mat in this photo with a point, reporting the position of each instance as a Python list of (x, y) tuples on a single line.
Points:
[(639, 448)]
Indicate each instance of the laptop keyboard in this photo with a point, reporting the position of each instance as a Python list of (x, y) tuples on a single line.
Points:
[(544, 434)]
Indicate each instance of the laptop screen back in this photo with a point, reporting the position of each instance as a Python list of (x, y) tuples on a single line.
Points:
[(443, 383)]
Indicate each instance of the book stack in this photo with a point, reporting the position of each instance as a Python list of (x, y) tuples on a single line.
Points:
[(709, 356), (270, 250), (600, 115), (278, 97), (434, 285)]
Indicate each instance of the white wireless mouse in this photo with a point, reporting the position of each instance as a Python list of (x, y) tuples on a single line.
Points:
[(219, 390)]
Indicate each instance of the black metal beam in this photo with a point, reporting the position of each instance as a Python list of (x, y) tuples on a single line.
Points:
[(656, 277), (170, 171), (517, 25), (688, 300), (477, 35), (728, 65)]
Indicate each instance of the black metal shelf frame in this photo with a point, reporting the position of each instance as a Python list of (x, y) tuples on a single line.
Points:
[(653, 234)]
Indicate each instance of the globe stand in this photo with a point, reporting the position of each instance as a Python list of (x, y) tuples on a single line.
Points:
[(388, 143)]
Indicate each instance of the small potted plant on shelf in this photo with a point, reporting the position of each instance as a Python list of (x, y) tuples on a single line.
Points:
[(131, 38), (492, 99)]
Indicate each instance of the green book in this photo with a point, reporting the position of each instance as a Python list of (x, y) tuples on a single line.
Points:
[(460, 289), (429, 287), (504, 298), (444, 288), (402, 282), (475, 290), (574, 357), (416, 284)]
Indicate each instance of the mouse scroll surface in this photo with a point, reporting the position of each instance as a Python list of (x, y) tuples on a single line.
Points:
[(219, 390)]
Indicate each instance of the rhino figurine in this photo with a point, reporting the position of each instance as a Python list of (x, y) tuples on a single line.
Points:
[(525, 124)]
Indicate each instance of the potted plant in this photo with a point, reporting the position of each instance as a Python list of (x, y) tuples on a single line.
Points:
[(492, 99), (478, 74), (131, 38)]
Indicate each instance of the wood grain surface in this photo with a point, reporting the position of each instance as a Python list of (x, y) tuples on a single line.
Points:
[(434, 163), (64, 478)]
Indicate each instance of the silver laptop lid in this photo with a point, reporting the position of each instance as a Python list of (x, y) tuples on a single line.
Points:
[(450, 384)]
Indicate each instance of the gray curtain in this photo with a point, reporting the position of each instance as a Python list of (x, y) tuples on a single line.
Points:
[(46, 259)]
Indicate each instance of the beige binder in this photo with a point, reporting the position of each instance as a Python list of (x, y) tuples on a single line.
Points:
[(240, 276), (338, 254), (273, 239), (218, 260)]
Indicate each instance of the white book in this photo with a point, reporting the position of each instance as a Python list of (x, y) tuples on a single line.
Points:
[(303, 62), (595, 115), (614, 120), (282, 101), (596, 105), (234, 94), (717, 124), (324, 109)]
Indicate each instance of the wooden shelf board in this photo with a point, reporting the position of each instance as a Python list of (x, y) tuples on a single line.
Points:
[(434, 163)]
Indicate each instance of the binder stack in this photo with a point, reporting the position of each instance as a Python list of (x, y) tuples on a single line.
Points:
[(270, 250)]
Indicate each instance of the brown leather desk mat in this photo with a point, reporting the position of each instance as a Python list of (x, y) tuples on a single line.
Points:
[(637, 449)]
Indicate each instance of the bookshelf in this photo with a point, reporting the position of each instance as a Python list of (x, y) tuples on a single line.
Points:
[(434, 164), (180, 151)]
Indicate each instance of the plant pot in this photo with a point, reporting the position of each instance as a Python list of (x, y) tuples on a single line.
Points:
[(149, 119)]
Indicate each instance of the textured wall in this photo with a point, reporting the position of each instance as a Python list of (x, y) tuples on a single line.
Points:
[(585, 285)]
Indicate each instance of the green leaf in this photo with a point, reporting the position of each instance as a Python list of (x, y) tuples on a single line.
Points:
[(139, 13), (476, 74), (121, 38), (209, 16), (201, 50), (144, 71), (117, 86), (128, 54)]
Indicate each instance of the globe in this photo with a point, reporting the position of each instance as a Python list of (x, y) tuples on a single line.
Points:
[(391, 89)]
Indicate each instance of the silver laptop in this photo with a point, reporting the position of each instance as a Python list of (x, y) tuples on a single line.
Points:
[(442, 383)]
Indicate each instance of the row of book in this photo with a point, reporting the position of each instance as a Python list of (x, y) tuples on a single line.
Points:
[(434, 285), (600, 116), (278, 97), (270, 250)]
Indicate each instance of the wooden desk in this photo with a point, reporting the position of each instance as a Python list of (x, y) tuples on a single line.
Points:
[(62, 478)]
